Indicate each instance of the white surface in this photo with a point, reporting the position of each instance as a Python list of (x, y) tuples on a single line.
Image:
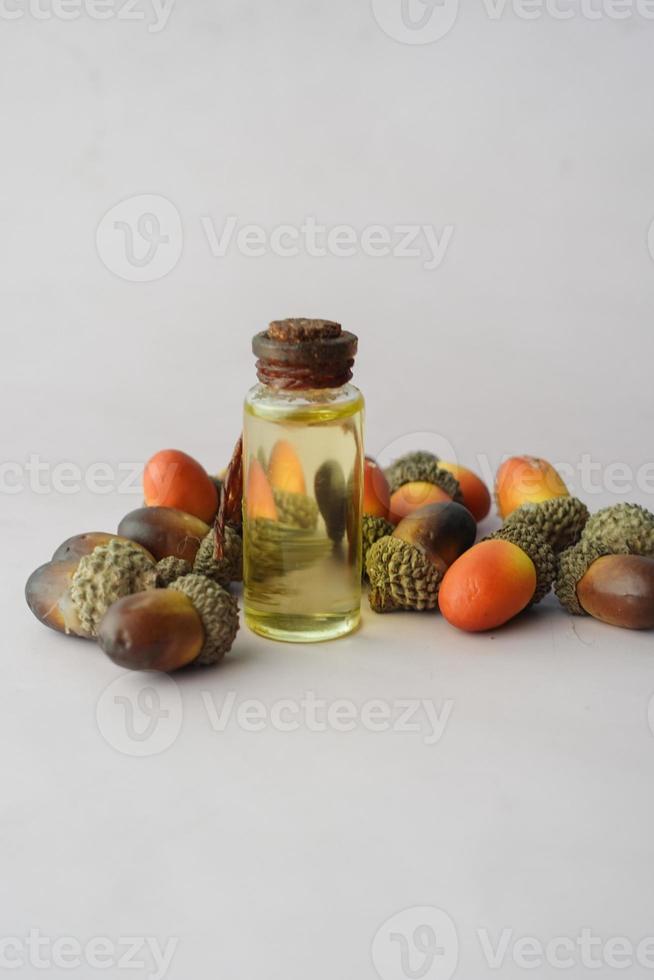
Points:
[(280, 855)]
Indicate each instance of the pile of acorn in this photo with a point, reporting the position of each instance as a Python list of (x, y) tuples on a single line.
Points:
[(156, 595), (419, 533)]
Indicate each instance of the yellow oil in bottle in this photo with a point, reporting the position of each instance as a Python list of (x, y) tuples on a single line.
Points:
[(303, 476)]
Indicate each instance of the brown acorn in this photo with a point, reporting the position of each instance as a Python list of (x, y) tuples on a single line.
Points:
[(165, 532)]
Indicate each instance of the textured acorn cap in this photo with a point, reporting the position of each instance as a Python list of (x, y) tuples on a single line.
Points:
[(532, 542), (401, 577), (422, 467), (230, 567), (373, 528), (171, 568), (622, 526), (218, 611), (573, 565), (111, 571), (560, 520), (297, 509), (274, 547)]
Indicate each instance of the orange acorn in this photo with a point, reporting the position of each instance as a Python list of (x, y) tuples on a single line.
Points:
[(526, 480), (285, 469), (259, 500), (412, 496), (173, 479), (376, 491), (496, 579), (476, 496)]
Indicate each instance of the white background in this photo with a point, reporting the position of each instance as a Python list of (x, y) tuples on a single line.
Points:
[(280, 855)]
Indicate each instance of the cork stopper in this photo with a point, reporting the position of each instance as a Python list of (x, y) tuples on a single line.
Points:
[(297, 329), (300, 352)]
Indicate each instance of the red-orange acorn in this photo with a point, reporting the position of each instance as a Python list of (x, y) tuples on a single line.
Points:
[(173, 479)]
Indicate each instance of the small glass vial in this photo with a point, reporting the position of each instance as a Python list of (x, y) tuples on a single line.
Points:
[(303, 484)]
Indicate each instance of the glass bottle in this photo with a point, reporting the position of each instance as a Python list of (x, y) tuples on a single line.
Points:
[(303, 484)]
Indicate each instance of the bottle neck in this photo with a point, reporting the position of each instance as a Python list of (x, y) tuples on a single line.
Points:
[(298, 377)]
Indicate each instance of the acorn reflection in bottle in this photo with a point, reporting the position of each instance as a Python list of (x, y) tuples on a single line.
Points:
[(302, 484)]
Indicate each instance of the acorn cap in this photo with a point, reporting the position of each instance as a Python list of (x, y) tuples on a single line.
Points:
[(171, 568), (111, 571), (218, 611), (373, 528), (422, 467), (622, 526), (533, 543), (274, 547), (227, 569), (573, 565), (401, 576), (560, 520), (296, 508)]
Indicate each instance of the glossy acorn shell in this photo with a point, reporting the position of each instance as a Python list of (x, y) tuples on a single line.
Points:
[(157, 630), (48, 595), (164, 532), (619, 590), (444, 531)]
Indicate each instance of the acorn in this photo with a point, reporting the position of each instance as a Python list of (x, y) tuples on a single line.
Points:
[(560, 520), (627, 526), (526, 480), (296, 509), (373, 528), (230, 567), (78, 545), (406, 568), (608, 583), (194, 621), (48, 596), (331, 493), (376, 491), (497, 579), (165, 532), (111, 571), (286, 478), (476, 495), (416, 480)]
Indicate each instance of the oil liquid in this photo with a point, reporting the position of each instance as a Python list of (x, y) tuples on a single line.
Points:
[(303, 479)]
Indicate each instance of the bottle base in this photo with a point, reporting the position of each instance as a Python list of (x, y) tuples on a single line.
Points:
[(302, 629)]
